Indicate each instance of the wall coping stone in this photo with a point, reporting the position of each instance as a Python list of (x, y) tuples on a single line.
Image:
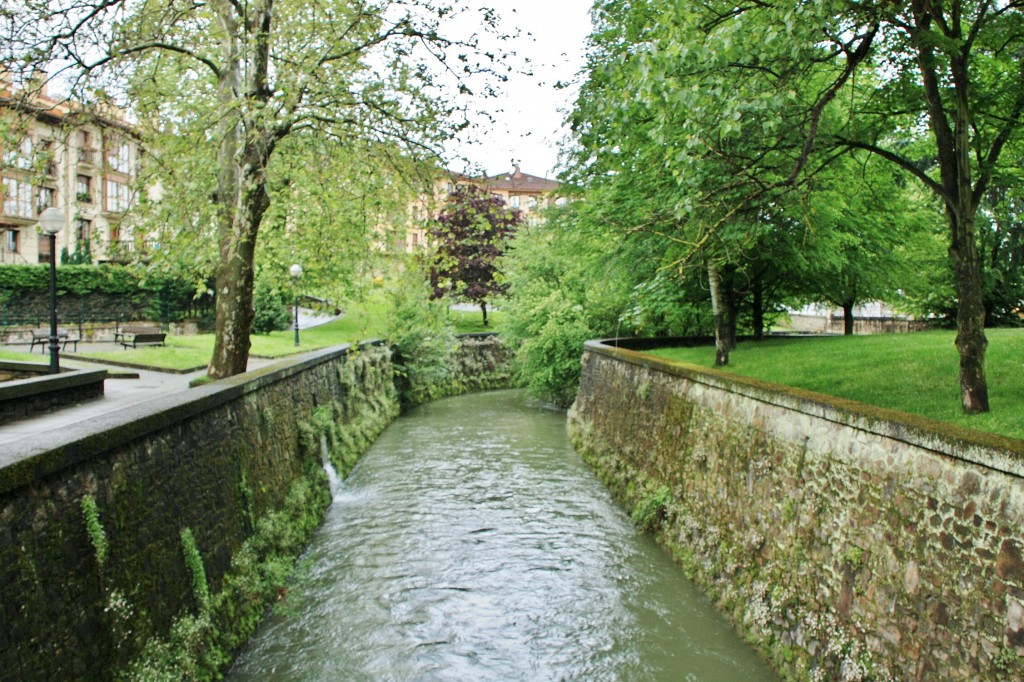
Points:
[(45, 383), (991, 451), (31, 458)]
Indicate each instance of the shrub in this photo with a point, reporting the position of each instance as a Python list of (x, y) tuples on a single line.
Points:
[(271, 307)]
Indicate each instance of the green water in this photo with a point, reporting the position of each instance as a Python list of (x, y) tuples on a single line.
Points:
[(472, 543)]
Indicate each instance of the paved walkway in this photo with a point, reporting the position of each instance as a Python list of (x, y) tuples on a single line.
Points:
[(133, 387)]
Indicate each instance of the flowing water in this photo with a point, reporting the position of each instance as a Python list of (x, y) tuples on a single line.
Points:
[(472, 543)]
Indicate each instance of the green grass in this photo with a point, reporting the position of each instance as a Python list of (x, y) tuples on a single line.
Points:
[(472, 321), (176, 355), (915, 373), (182, 353)]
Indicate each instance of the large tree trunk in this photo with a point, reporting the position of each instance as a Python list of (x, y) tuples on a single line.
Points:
[(757, 310), (848, 318), (953, 144), (970, 318), (718, 307), (245, 149)]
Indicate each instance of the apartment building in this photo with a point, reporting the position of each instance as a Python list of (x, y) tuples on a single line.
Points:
[(56, 153), (529, 194)]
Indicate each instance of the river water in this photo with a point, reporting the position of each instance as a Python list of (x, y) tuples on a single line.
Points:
[(472, 543)]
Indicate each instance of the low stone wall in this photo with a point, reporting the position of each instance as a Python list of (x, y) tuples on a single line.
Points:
[(93, 556), (28, 389), (849, 543)]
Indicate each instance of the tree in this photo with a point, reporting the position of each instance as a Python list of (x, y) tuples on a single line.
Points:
[(747, 101), (470, 235), (258, 73)]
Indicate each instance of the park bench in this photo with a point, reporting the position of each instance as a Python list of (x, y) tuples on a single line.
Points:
[(136, 335), (41, 338)]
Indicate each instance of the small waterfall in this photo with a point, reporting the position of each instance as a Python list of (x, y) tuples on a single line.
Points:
[(333, 479)]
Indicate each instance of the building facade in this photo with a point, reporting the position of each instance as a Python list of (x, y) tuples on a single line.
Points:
[(529, 194), (56, 153)]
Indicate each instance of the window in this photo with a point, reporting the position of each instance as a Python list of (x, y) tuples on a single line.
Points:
[(117, 196), (45, 156), (513, 201), (11, 241), (46, 198), (21, 157), (83, 189), (83, 230), (86, 154), (531, 202), (18, 198), (119, 156)]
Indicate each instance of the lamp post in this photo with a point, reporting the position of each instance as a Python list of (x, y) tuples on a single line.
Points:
[(51, 221), (296, 272)]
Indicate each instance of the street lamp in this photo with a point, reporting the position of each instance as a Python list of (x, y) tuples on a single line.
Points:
[(51, 221), (296, 272)]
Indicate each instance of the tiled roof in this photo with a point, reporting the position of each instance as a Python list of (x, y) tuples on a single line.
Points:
[(517, 181)]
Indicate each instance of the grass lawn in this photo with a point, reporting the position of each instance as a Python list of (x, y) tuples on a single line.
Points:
[(181, 353), (472, 321), (915, 373)]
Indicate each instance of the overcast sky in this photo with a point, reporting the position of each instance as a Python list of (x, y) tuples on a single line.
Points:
[(529, 115)]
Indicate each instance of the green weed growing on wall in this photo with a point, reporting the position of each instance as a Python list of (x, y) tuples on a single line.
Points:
[(199, 646), (650, 511), (194, 563), (94, 527)]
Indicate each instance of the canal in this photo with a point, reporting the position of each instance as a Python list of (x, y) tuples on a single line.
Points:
[(472, 543)]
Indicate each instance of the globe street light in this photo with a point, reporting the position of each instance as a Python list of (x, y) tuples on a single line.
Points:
[(296, 272), (51, 221)]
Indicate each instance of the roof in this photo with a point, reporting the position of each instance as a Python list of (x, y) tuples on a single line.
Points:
[(517, 181)]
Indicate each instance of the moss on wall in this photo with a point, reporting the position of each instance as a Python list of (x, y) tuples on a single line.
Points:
[(482, 362), (839, 550)]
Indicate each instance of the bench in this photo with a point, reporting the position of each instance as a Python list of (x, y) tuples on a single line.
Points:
[(41, 338), (136, 335)]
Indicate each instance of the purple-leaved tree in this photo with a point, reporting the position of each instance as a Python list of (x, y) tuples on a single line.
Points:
[(470, 234)]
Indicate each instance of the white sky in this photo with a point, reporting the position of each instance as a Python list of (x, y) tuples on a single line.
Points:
[(530, 113)]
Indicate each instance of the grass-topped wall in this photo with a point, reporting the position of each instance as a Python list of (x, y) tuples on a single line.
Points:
[(848, 542)]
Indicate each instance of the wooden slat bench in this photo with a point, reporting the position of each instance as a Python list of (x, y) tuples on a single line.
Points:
[(136, 335), (41, 338)]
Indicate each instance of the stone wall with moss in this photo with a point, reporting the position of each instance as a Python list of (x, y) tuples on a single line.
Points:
[(848, 543), (127, 540), (480, 362)]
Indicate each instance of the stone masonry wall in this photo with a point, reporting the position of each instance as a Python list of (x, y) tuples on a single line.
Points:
[(213, 460), (848, 543)]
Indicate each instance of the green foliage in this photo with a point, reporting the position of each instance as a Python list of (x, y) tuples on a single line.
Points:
[(94, 528), (651, 510), (81, 256), (271, 309), (163, 293), (576, 279), (420, 334), (196, 569)]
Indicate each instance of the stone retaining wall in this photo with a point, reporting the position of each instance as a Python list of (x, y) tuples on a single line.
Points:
[(214, 460), (849, 543)]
